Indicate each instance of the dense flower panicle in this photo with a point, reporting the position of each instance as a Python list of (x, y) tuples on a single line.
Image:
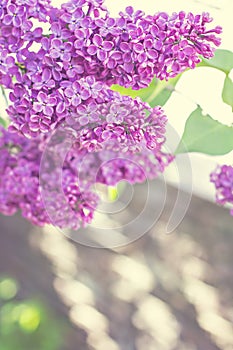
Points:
[(98, 116), (84, 52), (64, 195), (118, 123), (20, 186), (84, 40), (58, 82), (222, 178), (109, 167), (138, 168), (133, 48)]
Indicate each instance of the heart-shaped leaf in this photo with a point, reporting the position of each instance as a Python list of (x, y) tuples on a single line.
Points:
[(205, 135), (227, 92), (222, 60)]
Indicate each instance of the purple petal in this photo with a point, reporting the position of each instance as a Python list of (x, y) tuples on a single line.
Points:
[(66, 57), (129, 10), (17, 21), (76, 86), (102, 55), (97, 40), (99, 23), (34, 126), (153, 54), (92, 50), (66, 17), (60, 107), (54, 53), (50, 84), (68, 47), (45, 44), (44, 127), (76, 100), (111, 22), (128, 67), (111, 63), (138, 48), (20, 11), (90, 80), (158, 45), (34, 118), (97, 86), (154, 30), (125, 47), (42, 97), (22, 109), (46, 75), (37, 107), (48, 60), (81, 109), (83, 120), (189, 51), (48, 110), (108, 45), (181, 55), (121, 22), (127, 57), (69, 92), (142, 57), (57, 75), (175, 67), (11, 9), (7, 19), (148, 43), (52, 101), (85, 94), (117, 55), (71, 73), (57, 43), (79, 69), (79, 34)]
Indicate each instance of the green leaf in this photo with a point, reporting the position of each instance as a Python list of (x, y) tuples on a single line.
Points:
[(143, 93), (2, 122), (162, 92), (205, 135), (227, 92), (157, 93), (222, 60)]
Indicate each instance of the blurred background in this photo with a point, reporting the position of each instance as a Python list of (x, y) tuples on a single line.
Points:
[(161, 292)]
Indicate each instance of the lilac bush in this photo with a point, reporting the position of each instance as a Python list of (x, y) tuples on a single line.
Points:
[(61, 80)]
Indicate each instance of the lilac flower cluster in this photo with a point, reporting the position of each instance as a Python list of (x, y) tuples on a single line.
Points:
[(70, 201), (109, 167), (222, 178), (85, 51), (60, 79), (20, 185)]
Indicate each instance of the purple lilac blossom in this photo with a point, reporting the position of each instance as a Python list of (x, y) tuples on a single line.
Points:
[(136, 47), (222, 178), (23, 183), (134, 50), (20, 185), (64, 82)]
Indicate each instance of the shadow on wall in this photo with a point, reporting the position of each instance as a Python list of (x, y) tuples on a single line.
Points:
[(163, 292)]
